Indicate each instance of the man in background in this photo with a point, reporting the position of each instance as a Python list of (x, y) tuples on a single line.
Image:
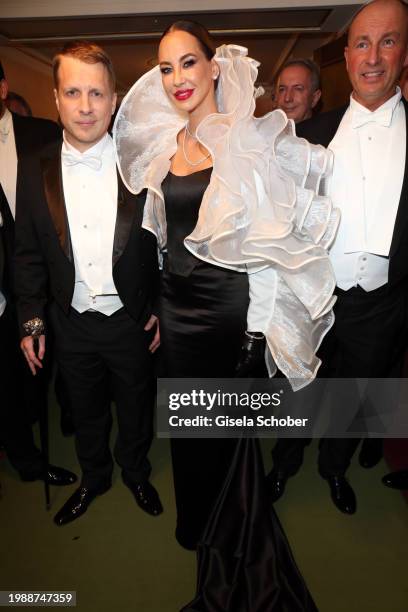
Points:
[(19, 137), (17, 104), (298, 89), (15, 426), (22, 135)]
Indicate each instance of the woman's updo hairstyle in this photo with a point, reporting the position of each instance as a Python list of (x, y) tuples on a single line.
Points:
[(198, 31)]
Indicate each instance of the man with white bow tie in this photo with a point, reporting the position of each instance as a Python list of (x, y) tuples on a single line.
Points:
[(370, 252), (81, 250)]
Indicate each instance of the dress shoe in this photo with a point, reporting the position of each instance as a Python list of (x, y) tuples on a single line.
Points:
[(275, 484), (54, 475), (77, 504), (342, 494), (371, 452), (397, 480), (66, 424), (146, 496)]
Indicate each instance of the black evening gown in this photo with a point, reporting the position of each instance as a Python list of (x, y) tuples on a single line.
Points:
[(245, 563), (202, 320)]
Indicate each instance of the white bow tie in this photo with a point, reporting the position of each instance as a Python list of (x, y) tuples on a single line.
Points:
[(381, 117), (70, 159)]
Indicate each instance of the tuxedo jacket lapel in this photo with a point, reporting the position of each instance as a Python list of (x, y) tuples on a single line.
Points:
[(127, 213), (54, 193), (19, 135), (402, 214)]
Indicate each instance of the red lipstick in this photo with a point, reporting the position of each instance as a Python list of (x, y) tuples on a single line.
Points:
[(183, 94)]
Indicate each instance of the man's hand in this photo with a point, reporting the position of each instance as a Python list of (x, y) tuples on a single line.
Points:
[(153, 321), (29, 345)]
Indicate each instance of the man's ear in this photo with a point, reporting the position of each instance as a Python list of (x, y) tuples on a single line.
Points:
[(316, 97), (406, 59), (346, 56), (56, 98)]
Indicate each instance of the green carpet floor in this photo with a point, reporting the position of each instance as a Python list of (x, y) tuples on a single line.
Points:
[(119, 559)]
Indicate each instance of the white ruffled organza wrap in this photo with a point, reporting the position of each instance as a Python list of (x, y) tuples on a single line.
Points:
[(260, 213)]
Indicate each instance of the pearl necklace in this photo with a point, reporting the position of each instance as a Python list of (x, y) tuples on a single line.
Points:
[(191, 163)]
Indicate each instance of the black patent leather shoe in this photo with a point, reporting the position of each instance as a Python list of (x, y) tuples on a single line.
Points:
[(371, 452), (342, 494), (275, 485), (396, 480), (146, 496), (57, 476), (77, 504)]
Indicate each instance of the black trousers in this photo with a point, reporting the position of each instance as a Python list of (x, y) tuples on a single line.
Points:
[(367, 340), (100, 358), (16, 384)]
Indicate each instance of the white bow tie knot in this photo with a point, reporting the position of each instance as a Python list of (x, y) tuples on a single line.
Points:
[(381, 117), (92, 161)]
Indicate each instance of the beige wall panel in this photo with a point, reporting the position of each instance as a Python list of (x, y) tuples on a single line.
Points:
[(335, 85), (30, 78)]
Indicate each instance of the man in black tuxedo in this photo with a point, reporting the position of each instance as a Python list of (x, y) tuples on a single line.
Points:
[(19, 136), (81, 251), (15, 426), (370, 252)]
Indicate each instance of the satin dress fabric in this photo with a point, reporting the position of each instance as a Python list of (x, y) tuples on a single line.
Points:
[(244, 560), (202, 321)]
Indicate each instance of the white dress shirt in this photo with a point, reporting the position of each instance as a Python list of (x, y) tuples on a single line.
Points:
[(369, 161), (91, 196), (8, 160)]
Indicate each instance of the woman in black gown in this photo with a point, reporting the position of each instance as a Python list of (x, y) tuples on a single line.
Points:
[(206, 295), (203, 319)]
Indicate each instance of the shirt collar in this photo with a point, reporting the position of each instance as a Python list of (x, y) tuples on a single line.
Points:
[(391, 103), (102, 147)]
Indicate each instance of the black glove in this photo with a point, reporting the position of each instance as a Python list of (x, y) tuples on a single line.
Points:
[(251, 362)]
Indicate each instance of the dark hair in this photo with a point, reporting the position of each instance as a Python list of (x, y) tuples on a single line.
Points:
[(310, 65), (2, 75), (87, 52), (12, 96), (198, 31)]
